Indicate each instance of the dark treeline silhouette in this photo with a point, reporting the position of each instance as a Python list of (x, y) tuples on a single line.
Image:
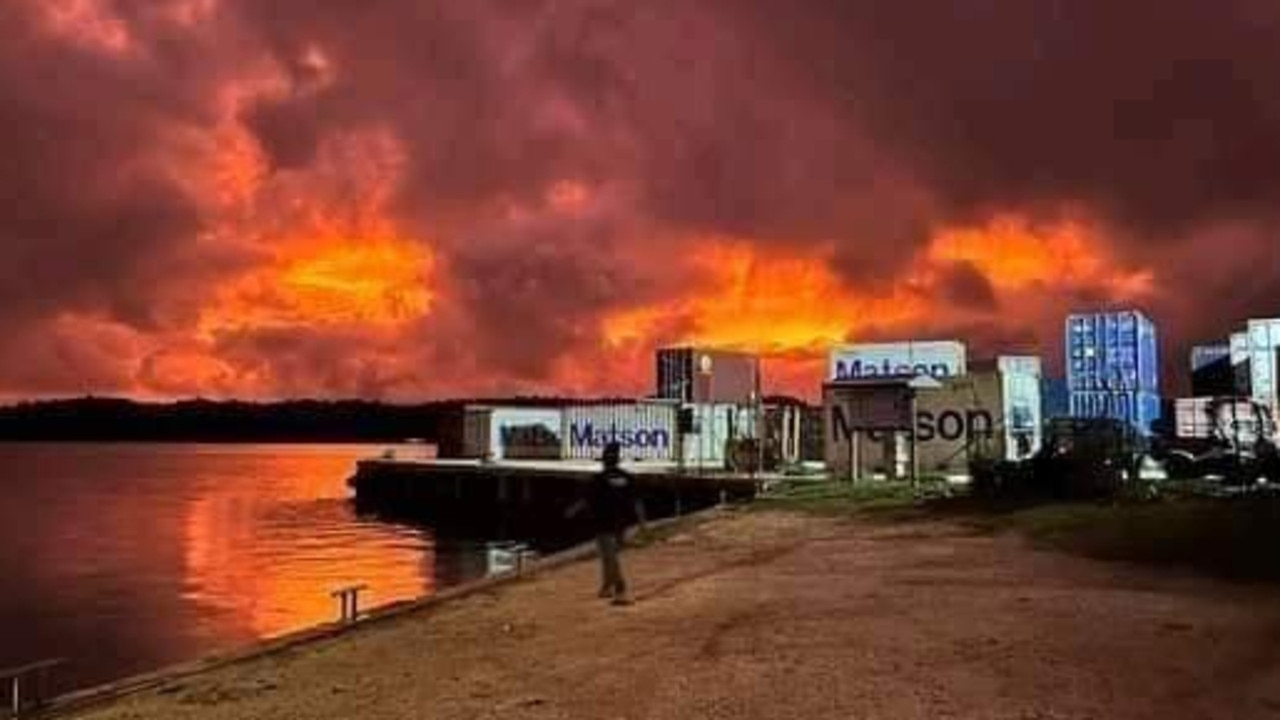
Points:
[(112, 419)]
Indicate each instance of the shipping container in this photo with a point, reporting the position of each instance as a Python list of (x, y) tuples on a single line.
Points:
[(961, 420), (1112, 352), (704, 375), (1139, 409), (936, 358), (713, 428), (1023, 410), (646, 430), (1055, 398), (1255, 352), (1234, 419), (1203, 356), (1211, 371), (503, 433)]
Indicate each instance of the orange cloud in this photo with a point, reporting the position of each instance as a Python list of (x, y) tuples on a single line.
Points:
[(792, 306), (1012, 253)]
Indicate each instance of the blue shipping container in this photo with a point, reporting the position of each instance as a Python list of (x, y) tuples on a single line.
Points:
[(1139, 409), (1112, 352), (1053, 392)]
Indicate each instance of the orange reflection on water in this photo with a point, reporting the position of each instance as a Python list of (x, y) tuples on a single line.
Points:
[(269, 546)]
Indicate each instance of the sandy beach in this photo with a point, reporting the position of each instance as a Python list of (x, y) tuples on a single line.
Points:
[(779, 615)]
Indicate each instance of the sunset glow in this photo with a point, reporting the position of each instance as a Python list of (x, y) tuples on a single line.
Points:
[(244, 199)]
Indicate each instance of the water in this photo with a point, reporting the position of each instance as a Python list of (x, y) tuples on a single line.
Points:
[(126, 558)]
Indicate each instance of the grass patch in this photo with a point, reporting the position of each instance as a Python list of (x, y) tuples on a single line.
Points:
[(835, 499), (1234, 538), (1237, 538)]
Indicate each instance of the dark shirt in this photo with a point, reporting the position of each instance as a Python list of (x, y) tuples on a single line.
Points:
[(612, 500)]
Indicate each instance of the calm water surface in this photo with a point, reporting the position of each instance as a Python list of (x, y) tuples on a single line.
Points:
[(125, 558)]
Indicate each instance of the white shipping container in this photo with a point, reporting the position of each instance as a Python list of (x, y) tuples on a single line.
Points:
[(645, 430), (1206, 418), (939, 359), (1253, 359), (714, 426), (1191, 418), (1022, 405)]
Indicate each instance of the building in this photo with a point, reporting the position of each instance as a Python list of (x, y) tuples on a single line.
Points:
[(1113, 367), (1212, 374), (704, 375)]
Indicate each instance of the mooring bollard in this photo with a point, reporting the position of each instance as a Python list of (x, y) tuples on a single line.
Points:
[(349, 599), (18, 679)]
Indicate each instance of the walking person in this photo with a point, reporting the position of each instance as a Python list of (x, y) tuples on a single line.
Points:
[(613, 504)]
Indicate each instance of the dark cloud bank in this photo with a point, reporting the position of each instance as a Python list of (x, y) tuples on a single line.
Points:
[(855, 127)]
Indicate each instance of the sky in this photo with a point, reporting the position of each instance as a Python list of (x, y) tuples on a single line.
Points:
[(408, 199)]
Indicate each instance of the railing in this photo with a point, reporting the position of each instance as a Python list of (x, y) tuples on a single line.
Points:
[(28, 685)]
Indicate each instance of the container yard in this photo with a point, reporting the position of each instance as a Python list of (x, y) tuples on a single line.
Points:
[(938, 412)]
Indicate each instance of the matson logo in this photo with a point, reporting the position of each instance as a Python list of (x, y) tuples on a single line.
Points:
[(588, 435), (856, 368), (950, 425)]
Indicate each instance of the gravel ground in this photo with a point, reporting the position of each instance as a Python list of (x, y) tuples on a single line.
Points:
[(771, 615)]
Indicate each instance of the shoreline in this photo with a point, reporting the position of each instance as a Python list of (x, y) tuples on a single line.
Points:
[(773, 613), (78, 702)]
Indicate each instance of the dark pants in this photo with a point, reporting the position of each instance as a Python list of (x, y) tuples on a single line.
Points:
[(611, 582)]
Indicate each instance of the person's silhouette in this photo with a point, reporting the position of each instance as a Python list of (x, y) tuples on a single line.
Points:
[(613, 504)]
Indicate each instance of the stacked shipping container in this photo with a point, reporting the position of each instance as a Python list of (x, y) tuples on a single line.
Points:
[(1211, 371), (1113, 367), (701, 375), (1253, 355)]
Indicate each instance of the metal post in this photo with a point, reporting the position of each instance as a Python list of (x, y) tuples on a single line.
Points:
[(915, 457), (17, 695), (349, 603), (855, 459)]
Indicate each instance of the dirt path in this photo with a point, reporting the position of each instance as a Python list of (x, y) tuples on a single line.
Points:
[(768, 615)]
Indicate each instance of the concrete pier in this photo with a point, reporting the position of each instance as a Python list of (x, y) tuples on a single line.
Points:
[(519, 496)]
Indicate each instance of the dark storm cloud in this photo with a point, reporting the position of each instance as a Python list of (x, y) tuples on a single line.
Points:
[(967, 288), (85, 214), (855, 127), (1161, 115)]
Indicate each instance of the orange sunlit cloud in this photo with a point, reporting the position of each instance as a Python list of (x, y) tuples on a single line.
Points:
[(368, 281), (793, 306), (769, 302), (1012, 253)]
